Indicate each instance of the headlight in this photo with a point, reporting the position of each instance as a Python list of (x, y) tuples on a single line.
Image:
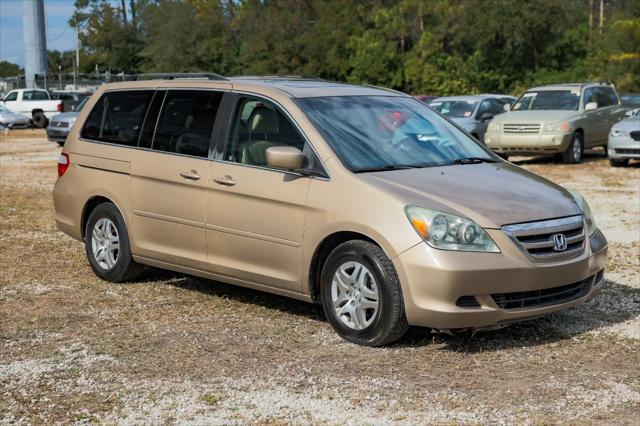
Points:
[(586, 211), (556, 127), (493, 127), (449, 232), (617, 132)]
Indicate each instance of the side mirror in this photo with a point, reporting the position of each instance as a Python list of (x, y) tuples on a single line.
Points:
[(486, 116), (285, 157), (631, 112), (590, 106), (506, 107)]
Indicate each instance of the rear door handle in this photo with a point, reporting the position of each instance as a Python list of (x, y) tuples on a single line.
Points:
[(226, 181), (191, 175)]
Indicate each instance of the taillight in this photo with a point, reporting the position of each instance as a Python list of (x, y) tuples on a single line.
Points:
[(59, 108), (63, 163)]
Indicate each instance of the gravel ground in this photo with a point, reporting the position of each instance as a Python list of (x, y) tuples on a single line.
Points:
[(173, 348)]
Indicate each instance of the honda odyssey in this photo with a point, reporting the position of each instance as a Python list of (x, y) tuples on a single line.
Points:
[(359, 198)]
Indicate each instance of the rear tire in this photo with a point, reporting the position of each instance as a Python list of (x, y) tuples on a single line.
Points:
[(575, 150), (106, 243), (356, 274), (40, 120), (618, 162)]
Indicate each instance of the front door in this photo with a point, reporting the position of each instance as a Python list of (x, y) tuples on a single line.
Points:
[(169, 178), (255, 214)]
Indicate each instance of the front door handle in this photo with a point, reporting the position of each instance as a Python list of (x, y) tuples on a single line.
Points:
[(226, 181), (191, 175)]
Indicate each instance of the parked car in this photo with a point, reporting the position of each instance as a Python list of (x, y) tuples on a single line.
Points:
[(70, 100), (630, 100), (35, 103), (12, 120), (507, 99), (359, 198), (624, 140), (425, 98), (472, 113), (60, 124), (557, 119)]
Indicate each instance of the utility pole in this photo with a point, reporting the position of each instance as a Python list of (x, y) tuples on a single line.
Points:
[(35, 41), (77, 64)]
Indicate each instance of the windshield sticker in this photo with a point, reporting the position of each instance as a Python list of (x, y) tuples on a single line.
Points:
[(435, 103), (471, 102), (467, 114), (575, 91), (517, 106)]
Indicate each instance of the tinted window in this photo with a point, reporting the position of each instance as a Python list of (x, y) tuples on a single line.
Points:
[(27, 95), (485, 106), (11, 96), (117, 117), (607, 96), (382, 132), (186, 122), (257, 126), (40, 96), (149, 127), (497, 106), (590, 96)]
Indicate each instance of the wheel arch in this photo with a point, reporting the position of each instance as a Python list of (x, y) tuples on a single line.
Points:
[(90, 206), (36, 110), (321, 253)]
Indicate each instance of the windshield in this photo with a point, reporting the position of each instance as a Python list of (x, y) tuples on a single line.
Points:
[(549, 100), (457, 109), (632, 101), (382, 132)]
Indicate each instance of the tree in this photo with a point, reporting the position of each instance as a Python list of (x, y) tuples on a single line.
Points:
[(9, 69)]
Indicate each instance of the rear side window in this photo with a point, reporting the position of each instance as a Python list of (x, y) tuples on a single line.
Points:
[(186, 122), (117, 117), (40, 96)]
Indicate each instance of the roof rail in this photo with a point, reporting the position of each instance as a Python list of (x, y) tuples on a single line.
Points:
[(284, 77), (179, 75)]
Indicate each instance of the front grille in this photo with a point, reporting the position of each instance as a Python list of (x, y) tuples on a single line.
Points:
[(539, 240), (628, 151), (531, 129), (635, 135), (544, 297), (60, 124)]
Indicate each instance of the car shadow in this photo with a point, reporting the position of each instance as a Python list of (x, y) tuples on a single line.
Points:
[(590, 156), (616, 304)]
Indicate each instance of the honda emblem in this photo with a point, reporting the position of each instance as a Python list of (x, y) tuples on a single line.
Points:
[(559, 242)]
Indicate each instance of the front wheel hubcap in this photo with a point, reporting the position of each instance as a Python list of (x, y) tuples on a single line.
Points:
[(105, 243), (577, 148), (354, 295)]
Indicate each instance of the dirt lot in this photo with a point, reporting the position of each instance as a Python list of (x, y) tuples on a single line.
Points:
[(173, 348)]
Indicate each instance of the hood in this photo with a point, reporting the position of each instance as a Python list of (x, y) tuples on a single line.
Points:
[(629, 124), (490, 194), (65, 116), (465, 122), (540, 116), (12, 116)]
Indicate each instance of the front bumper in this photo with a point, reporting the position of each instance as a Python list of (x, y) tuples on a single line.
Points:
[(528, 144), (17, 124), (623, 147), (57, 135), (434, 280)]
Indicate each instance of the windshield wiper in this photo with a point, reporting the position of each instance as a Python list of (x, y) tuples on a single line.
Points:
[(473, 160), (390, 167)]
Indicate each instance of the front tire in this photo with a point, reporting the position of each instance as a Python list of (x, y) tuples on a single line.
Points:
[(106, 242), (361, 294), (575, 150)]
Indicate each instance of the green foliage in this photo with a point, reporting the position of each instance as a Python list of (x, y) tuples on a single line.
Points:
[(418, 46), (8, 69)]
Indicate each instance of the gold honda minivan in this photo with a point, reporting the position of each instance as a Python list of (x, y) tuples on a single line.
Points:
[(359, 198)]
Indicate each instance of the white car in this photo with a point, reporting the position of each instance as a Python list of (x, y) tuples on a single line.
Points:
[(624, 139), (12, 120), (35, 103)]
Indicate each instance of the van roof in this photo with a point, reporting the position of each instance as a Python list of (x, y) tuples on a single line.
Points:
[(293, 86)]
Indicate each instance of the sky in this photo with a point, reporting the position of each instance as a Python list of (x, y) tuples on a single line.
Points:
[(56, 15)]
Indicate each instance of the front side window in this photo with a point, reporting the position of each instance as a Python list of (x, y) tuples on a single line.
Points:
[(258, 125), (568, 100), (117, 117), (186, 122), (589, 96), (454, 109), (385, 132), (11, 97)]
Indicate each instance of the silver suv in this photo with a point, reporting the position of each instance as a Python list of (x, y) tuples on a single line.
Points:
[(557, 119)]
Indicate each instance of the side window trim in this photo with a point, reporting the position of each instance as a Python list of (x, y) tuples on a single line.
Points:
[(234, 104)]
